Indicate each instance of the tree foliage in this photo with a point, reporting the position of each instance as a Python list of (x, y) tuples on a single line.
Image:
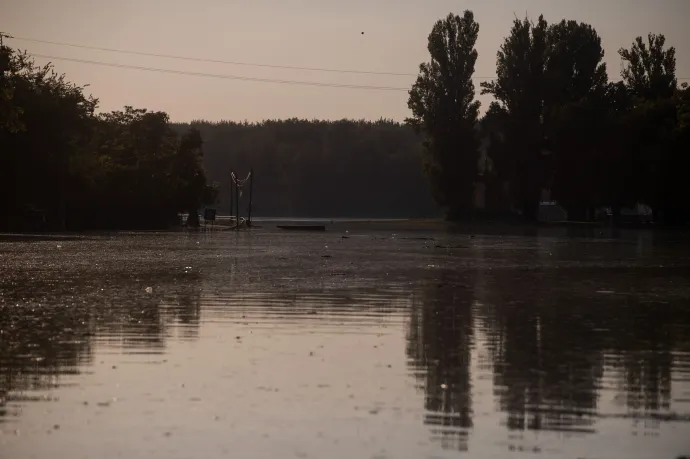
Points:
[(576, 108), (559, 124), (519, 90), (317, 168), (656, 141), (9, 112), (64, 167), (445, 111), (649, 69)]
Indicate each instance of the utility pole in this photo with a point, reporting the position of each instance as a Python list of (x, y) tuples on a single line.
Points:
[(4, 56), (4, 35)]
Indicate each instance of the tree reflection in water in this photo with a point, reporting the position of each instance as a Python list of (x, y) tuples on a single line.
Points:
[(48, 328), (439, 348), (562, 356)]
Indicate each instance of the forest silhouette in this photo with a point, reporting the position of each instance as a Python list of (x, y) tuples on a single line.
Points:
[(558, 125)]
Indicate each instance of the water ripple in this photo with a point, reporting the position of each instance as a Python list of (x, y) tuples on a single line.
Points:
[(417, 346)]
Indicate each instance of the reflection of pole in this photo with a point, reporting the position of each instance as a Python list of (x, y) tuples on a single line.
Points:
[(231, 198), (251, 182)]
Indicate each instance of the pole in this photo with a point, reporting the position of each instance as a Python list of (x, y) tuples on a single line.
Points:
[(231, 197), (237, 204), (251, 183)]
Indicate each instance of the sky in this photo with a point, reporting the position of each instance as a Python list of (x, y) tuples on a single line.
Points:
[(294, 33)]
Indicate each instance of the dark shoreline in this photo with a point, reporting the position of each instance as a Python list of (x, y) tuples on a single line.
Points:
[(473, 226)]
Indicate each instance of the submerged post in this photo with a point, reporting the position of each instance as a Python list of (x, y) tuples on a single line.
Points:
[(249, 210)]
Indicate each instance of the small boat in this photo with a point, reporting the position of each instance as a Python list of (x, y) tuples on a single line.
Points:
[(303, 227)]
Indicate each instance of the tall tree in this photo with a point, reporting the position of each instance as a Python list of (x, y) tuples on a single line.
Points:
[(574, 69), (657, 151), (445, 111), (50, 123), (649, 70), (498, 171), (519, 91), (575, 114)]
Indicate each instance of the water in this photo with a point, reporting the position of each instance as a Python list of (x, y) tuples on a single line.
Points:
[(379, 345)]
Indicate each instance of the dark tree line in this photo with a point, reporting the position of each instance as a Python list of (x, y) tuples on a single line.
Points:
[(558, 123), (319, 168), (62, 166)]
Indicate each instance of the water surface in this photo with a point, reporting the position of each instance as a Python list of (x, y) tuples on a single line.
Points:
[(378, 344)]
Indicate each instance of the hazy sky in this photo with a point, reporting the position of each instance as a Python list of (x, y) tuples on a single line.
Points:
[(302, 33)]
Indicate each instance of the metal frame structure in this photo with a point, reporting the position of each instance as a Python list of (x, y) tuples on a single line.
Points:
[(236, 186)]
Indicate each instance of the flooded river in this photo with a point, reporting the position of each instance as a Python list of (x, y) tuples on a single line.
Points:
[(360, 344)]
